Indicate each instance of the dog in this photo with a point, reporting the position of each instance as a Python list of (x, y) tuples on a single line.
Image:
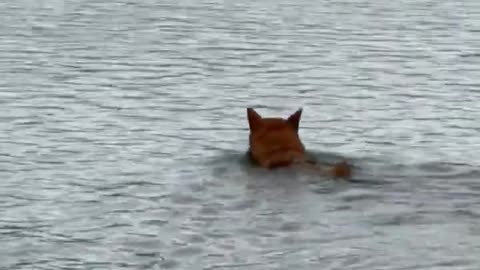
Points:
[(274, 142)]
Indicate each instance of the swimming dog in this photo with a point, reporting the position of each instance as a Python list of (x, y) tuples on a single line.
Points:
[(275, 142)]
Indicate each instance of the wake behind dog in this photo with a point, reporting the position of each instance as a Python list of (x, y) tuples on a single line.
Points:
[(275, 142)]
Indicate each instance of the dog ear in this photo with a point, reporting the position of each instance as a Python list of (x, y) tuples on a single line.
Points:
[(254, 119), (294, 119)]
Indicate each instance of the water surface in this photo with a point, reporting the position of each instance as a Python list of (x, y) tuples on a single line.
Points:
[(123, 129)]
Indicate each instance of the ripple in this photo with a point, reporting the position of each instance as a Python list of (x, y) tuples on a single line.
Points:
[(187, 251)]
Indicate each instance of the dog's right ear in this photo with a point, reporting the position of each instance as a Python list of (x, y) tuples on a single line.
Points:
[(254, 119), (294, 119)]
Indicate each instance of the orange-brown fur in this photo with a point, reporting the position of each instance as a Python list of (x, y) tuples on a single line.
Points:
[(275, 142)]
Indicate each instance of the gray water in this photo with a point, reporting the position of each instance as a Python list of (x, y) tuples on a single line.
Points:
[(123, 133)]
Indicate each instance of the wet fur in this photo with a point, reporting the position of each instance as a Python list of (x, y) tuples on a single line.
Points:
[(275, 142)]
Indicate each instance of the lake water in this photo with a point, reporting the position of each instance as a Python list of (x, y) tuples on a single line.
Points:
[(123, 133)]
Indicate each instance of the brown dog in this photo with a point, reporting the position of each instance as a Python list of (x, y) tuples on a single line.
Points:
[(274, 142)]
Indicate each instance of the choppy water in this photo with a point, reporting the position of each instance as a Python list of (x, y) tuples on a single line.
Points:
[(123, 131)]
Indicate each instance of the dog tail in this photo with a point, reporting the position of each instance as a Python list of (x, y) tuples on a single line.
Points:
[(341, 169)]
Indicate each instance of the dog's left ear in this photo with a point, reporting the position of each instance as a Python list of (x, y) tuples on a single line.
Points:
[(294, 119), (254, 119)]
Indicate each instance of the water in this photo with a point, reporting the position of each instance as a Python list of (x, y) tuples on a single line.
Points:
[(123, 129)]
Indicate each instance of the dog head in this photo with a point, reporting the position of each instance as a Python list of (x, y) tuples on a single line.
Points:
[(274, 142)]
